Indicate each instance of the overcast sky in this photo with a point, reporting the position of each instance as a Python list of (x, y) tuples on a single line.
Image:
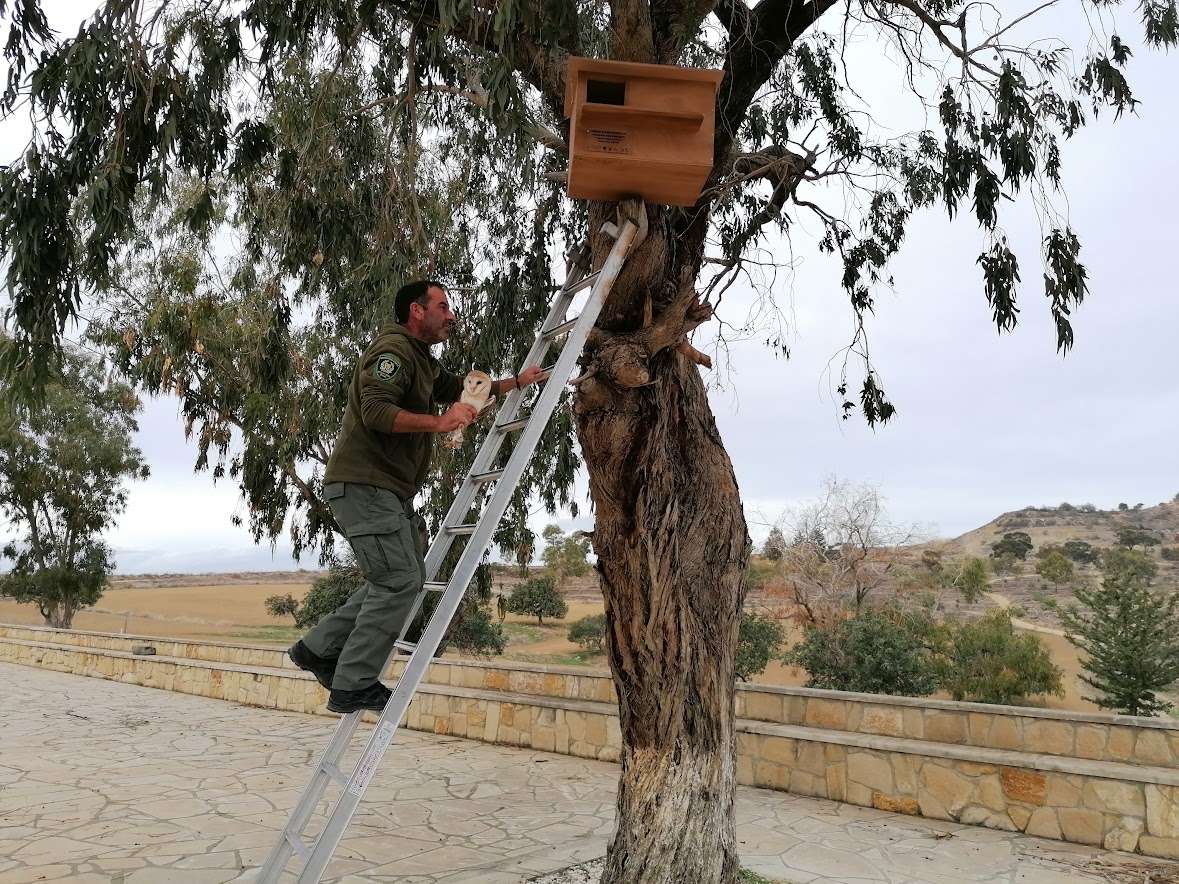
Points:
[(985, 423)]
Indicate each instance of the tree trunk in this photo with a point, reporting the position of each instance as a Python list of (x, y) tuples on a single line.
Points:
[(59, 616), (672, 548)]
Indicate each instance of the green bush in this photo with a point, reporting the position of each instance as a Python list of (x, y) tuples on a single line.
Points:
[(988, 661), (758, 642), (589, 632), (875, 652)]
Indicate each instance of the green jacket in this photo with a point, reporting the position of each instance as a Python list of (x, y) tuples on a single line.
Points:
[(396, 372)]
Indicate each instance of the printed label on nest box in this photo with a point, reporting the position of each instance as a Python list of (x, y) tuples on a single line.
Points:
[(609, 140)]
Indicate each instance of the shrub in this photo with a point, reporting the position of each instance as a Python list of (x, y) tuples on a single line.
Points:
[(871, 653), (589, 632), (758, 641), (987, 661)]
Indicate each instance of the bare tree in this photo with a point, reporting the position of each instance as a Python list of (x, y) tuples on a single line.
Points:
[(844, 547)]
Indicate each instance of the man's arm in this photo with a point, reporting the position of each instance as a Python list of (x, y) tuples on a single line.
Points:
[(530, 375), (458, 415)]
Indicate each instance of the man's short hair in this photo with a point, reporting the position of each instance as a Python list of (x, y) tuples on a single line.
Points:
[(417, 292)]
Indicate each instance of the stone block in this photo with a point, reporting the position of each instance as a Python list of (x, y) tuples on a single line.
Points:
[(1043, 824), (837, 782), (980, 727), (904, 772), (1064, 790), (778, 749), (896, 804), (1125, 835), (826, 713), (762, 706), (1091, 742), (555, 685), (1024, 785), (1081, 826), (495, 680), (886, 720), (1019, 816), (947, 727), (810, 758), (989, 793), (1121, 744), (1049, 737), (974, 768), (768, 775), (1152, 748), (949, 789), (1162, 811), (1004, 734), (859, 795), (1154, 846), (1108, 796), (914, 723), (870, 770), (931, 807), (803, 783)]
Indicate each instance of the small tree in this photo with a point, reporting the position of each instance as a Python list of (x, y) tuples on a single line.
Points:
[(589, 632), (1079, 551), (564, 556), (282, 605), (775, 545), (1129, 634), (538, 597), (1005, 566), (1136, 535), (1056, 568), (63, 464), (1016, 544), (987, 661), (874, 652), (971, 578), (759, 641)]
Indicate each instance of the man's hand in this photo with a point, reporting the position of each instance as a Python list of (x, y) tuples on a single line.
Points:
[(458, 415), (530, 375)]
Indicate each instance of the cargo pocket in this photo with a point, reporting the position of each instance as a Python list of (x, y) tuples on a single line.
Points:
[(379, 548)]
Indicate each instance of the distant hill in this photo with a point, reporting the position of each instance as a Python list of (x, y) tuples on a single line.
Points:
[(1067, 522)]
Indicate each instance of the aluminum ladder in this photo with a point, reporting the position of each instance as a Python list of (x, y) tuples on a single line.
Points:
[(318, 854)]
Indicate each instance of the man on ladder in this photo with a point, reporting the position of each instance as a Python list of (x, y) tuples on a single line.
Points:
[(379, 463)]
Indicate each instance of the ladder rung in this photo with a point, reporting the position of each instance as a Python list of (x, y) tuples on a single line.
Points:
[(405, 646), (435, 586), (512, 426), (484, 478), (300, 848), (584, 283), (330, 770), (461, 529), (560, 329)]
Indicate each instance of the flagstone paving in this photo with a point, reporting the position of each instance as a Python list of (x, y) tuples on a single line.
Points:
[(115, 783)]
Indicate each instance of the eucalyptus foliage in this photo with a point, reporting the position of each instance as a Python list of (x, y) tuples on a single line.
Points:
[(233, 190)]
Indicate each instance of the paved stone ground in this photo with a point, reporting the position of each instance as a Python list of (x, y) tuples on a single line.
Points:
[(107, 782)]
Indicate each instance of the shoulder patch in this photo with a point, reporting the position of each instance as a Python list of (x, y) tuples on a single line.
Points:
[(387, 366)]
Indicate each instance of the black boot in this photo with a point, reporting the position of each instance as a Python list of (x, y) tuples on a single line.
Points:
[(323, 668), (373, 698)]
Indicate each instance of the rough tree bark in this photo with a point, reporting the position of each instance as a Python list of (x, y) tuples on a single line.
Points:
[(672, 548)]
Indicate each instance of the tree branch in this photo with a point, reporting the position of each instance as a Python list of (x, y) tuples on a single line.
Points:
[(758, 40)]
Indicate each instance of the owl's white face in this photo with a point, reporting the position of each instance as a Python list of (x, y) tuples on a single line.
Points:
[(477, 385)]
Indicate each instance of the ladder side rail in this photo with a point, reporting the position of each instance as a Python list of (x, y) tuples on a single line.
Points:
[(280, 854), (507, 411), (423, 655)]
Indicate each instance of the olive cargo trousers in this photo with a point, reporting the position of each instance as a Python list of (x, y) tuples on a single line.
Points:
[(383, 533)]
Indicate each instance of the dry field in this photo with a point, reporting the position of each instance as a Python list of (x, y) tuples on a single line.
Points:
[(234, 612)]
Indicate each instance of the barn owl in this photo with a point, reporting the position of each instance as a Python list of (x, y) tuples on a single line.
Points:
[(477, 394)]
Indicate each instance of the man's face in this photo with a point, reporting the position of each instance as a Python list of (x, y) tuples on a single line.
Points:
[(436, 319)]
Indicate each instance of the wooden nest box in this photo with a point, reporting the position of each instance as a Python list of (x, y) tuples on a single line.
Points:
[(639, 130)]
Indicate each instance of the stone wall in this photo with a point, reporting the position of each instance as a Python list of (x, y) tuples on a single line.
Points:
[(1090, 778)]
